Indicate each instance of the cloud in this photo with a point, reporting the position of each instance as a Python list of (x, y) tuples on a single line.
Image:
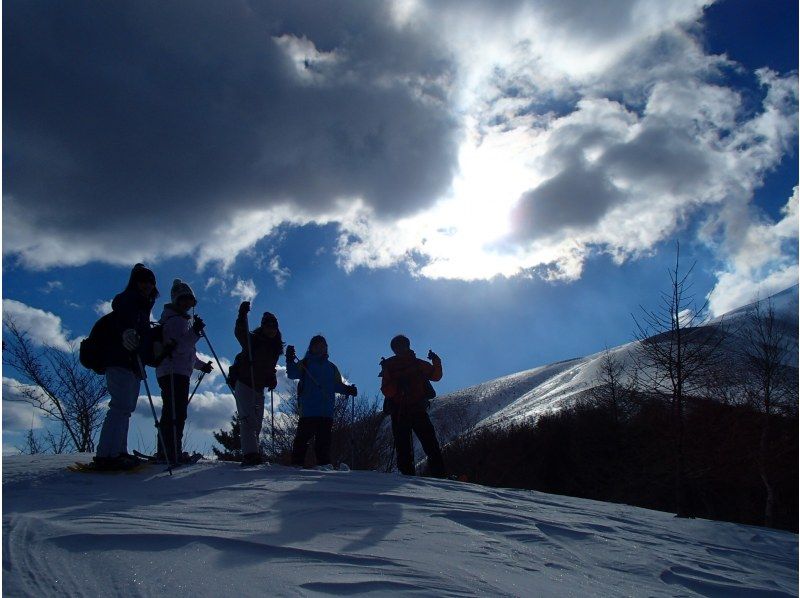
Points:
[(280, 273), (52, 285), (102, 308), (245, 290), (18, 415), (763, 258), (44, 328), (459, 139), (208, 115)]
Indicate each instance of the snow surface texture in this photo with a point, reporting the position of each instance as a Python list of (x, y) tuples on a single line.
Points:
[(529, 394), (215, 529)]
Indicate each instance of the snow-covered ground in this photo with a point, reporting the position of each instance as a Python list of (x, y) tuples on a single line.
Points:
[(216, 529), (544, 389)]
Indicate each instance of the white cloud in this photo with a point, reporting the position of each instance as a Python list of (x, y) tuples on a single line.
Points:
[(245, 290), (44, 328), (18, 416), (280, 273), (102, 308), (462, 140), (762, 257)]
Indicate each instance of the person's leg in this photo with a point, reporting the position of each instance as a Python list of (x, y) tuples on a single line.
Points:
[(181, 408), (165, 423), (401, 429), (305, 432), (426, 433), (123, 386), (322, 440), (258, 417), (244, 405)]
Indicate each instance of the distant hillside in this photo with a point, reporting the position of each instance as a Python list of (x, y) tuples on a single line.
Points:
[(548, 388)]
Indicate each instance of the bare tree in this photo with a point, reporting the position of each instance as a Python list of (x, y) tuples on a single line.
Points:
[(769, 352), (615, 388), (59, 386), (678, 349)]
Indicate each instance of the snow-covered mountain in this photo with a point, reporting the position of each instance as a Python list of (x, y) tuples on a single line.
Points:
[(215, 529), (527, 394)]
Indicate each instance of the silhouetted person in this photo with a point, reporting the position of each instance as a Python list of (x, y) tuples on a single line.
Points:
[(131, 309), (406, 386), (320, 380), (253, 374), (175, 371)]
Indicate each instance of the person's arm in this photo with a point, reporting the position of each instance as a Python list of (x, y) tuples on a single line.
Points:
[(433, 370), (339, 386), (292, 369)]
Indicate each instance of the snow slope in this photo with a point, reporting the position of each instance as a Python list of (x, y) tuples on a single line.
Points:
[(215, 529), (548, 388)]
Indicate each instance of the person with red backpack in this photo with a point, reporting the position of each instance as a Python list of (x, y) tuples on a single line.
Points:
[(406, 386)]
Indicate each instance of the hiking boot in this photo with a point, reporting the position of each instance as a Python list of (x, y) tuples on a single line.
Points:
[(119, 463), (251, 459)]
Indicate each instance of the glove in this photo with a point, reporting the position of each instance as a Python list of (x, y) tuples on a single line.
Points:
[(433, 356), (198, 325), (290, 353), (130, 340), (353, 391), (272, 382), (244, 308), (207, 368)]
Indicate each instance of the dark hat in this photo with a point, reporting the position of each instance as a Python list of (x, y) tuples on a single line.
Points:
[(141, 273), (269, 316)]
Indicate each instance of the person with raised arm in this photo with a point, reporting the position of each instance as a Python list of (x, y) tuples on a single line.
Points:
[(252, 371), (406, 386), (319, 382)]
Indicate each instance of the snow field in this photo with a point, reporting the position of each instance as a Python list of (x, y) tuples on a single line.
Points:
[(216, 529)]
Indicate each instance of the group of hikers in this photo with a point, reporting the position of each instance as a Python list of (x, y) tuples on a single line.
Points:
[(405, 381)]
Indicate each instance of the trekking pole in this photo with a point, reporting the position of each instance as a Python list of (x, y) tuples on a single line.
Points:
[(153, 409), (214, 353), (272, 417), (252, 382), (199, 380), (352, 433), (174, 412)]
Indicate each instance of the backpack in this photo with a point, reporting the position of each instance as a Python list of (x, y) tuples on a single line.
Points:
[(152, 348), (233, 371), (93, 348)]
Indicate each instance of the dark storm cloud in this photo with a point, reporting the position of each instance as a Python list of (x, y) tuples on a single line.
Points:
[(140, 116), (575, 198)]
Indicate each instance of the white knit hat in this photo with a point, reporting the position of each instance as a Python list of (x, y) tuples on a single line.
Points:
[(180, 289)]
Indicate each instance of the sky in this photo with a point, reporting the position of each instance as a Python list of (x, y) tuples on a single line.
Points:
[(503, 182)]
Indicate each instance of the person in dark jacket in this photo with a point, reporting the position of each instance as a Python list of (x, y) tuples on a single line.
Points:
[(405, 380), (175, 371), (254, 372), (131, 309), (320, 381)]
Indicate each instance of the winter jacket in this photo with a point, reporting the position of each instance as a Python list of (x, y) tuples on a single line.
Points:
[(404, 379), (131, 310), (178, 329), (320, 381), (266, 351)]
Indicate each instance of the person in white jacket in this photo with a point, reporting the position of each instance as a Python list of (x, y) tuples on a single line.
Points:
[(180, 337)]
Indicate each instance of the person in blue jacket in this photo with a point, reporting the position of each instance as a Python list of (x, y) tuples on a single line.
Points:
[(319, 382)]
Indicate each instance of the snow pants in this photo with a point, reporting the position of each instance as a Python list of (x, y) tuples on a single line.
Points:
[(418, 422), (250, 405), (173, 415), (318, 428), (123, 386)]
